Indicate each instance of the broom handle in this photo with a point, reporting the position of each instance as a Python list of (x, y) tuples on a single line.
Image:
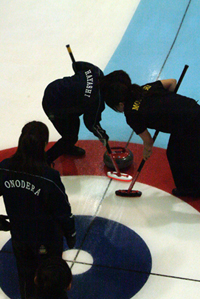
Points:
[(72, 57), (70, 53), (156, 132), (181, 78), (112, 159)]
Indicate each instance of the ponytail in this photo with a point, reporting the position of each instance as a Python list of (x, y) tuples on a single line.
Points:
[(30, 154)]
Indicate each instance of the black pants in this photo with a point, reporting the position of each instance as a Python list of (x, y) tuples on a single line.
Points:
[(28, 259), (183, 153), (68, 127)]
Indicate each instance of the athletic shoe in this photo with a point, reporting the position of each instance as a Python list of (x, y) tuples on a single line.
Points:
[(75, 151), (186, 192)]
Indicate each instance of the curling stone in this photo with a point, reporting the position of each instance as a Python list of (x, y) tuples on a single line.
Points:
[(122, 156)]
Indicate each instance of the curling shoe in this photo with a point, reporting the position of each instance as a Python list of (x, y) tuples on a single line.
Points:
[(185, 192), (75, 151)]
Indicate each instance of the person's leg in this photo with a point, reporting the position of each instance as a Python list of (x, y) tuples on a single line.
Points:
[(174, 159), (26, 266), (191, 157), (184, 160), (68, 128)]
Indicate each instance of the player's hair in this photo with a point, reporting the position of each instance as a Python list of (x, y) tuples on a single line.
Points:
[(115, 88), (30, 154), (53, 278)]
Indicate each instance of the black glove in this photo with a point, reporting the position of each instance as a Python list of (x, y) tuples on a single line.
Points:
[(71, 239), (4, 224), (101, 134), (104, 139)]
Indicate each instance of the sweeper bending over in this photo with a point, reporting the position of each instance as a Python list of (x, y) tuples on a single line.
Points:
[(156, 106), (66, 99)]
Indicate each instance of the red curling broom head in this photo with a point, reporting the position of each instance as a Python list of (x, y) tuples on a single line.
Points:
[(128, 193), (123, 177)]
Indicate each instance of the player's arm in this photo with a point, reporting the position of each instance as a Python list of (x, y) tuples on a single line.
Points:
[(148, 144), (59, 206), (136, 121), (169, 84), (92, 119)]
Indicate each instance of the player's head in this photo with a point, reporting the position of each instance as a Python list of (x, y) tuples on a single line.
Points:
[(33, 138), (30, 155), (115, 88), (53, 278)]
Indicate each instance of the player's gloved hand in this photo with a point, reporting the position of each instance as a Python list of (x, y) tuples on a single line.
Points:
[(101, 134), (4, 224), (71, 239), (104, 140)]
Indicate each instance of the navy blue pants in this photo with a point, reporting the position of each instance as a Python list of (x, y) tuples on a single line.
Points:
[(68, 127)]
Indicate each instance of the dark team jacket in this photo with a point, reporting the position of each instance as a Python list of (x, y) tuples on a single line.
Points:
[(41, 297), (37, 206), (161, 110), (78, 94)]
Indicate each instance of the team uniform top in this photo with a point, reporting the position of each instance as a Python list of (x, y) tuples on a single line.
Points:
[(37, 206), (160, 110), (78, 94)]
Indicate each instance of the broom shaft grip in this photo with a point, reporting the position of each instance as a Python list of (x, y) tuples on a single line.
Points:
[(72, 57), (70, 53)]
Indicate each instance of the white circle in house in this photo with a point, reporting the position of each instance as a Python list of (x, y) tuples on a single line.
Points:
[(80, 260)]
